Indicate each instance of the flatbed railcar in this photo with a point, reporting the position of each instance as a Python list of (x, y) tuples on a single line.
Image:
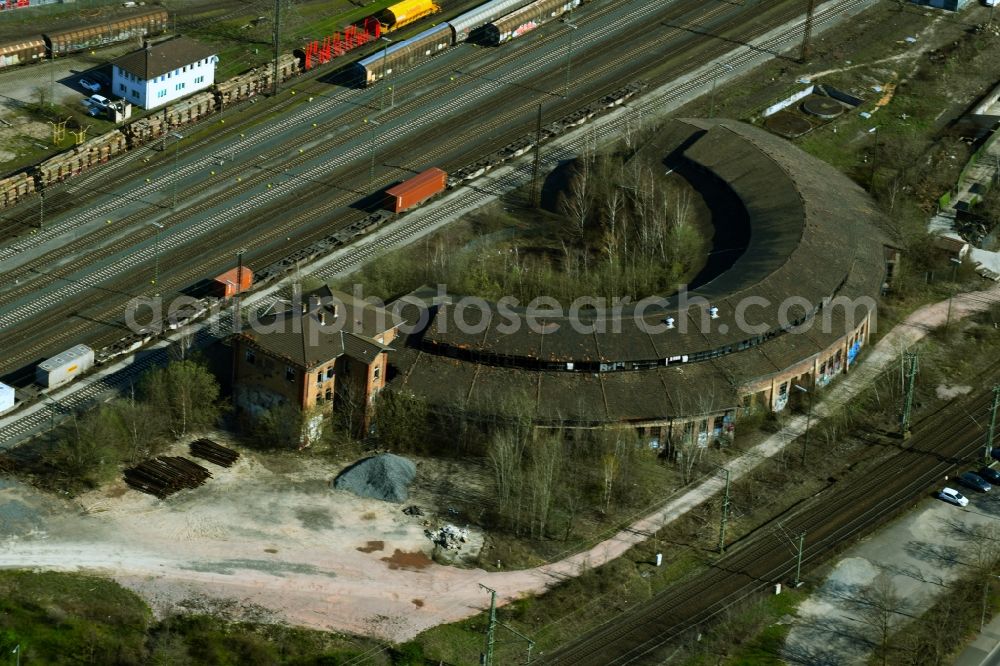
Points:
[(525, 20)]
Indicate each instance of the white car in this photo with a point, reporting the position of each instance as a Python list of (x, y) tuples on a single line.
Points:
[(99, 100), (952, 496), (90, 85)]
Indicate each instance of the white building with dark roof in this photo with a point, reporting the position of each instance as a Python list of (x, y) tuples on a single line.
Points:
[(160, 73)]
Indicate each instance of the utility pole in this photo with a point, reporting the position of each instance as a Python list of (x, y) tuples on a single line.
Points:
[(487, 658), (41, 208), (535, 190), (911, 380), (177, 147), (807, 33), (277, 43), (725, 514), (993, 423)]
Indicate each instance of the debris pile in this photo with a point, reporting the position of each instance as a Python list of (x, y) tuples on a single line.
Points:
[(449, 537), (166, 475), (413, 510), (385, 477), (214, 453)]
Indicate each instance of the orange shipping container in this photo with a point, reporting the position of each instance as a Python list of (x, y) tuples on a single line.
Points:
[(415, 190), (224, 286)]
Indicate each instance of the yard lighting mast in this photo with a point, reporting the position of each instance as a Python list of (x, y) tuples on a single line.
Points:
[(535, 193), (911, 380), (385, 73), (156, 257), (724, 67), (807, 32), (490, 631), (371, 169), (569, 53), (993, 423), (177, 137), (277, 44), (725, 513), (955, 263), (805, 436)]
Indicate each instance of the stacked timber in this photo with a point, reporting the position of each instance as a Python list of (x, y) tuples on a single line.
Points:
[(214, 453), (15, 188), (87, 154), (165, 475), (145, 129), (191, 109)]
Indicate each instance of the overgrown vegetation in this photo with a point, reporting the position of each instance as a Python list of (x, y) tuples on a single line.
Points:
[(59, 618), (92, 445), (619, 228)]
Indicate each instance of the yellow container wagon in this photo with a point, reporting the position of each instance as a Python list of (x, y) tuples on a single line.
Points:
[(406, 12)]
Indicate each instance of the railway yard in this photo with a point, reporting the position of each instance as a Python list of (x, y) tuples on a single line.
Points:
[(231, 176), (290, 182)]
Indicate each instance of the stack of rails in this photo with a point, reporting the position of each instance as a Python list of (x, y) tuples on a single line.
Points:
[(214, 453), (166, 475)]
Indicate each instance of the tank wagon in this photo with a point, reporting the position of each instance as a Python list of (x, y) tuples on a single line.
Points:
[(82, 38), (22, 51), (525, 20), (404, 13), (404, 55)]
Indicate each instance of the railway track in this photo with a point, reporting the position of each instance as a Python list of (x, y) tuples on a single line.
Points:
[(940, 444), (298, 225), (144, 254)]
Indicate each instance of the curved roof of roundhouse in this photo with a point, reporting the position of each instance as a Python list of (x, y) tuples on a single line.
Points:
[(814, 235)]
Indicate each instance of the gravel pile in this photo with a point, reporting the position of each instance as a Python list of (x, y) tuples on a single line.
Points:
[(383, 477)]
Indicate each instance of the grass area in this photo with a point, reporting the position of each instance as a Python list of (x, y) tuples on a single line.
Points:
[(61, 618)]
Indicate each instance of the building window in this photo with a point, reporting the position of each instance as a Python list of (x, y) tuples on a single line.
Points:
[(289, 373), (377, 373), (121, 87), (162, 93), (199, 79), (170, 74), (329, 372), (135, 94), (329, 394), (251, 356), (179, 86)]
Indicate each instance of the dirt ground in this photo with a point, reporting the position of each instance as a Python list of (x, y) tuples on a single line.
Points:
[(265, 537)]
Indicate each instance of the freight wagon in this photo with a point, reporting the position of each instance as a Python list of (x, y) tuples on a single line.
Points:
[(65, 367), (22, 51), (83, 38), (416, 190), (525, 20), (485, 13), (234, 281), (406, 12), (404, 55)]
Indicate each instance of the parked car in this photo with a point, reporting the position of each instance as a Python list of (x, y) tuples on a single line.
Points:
[(974, 481), (990, 474), (99, 100), (952, 496), (90, 85)]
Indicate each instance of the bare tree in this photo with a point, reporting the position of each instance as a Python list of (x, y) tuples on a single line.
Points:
[(880, 606)]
